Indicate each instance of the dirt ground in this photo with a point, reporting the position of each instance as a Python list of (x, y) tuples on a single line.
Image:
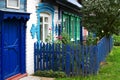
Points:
[(44, 78)]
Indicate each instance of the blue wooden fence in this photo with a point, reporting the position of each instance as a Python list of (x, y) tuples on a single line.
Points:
[(72, 59)]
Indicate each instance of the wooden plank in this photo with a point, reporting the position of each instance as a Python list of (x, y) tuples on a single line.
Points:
[(44, 54), (41, 58), (67, 62), (47, 50), (63, 57), (52, 63), (72, 60), (59, 58)]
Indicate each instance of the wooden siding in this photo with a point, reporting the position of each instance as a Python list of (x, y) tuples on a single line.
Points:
[(22, 6)]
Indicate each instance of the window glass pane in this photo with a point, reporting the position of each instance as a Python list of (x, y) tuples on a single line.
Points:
[(13, 3), (66, 23), (41, 19), (46, 30), (46, 25), (78, 29), (46, 19), (72, 28), (41, 32)]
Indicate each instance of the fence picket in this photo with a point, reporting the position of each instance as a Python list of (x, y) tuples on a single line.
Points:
[(73, 60)]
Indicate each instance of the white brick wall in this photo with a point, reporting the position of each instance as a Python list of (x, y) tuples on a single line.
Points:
[(31, 8)]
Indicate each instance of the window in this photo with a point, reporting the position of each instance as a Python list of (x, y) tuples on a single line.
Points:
[(45, 25), (66, 23), (71, 25), (13, 4)]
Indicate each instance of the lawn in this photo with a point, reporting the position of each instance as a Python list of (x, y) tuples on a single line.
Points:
[(108, 71)]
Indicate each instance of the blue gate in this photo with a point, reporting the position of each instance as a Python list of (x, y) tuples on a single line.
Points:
[(12, 43)]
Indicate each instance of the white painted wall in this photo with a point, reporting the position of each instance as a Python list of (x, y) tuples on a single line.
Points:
[(55, 19), (31, 8)]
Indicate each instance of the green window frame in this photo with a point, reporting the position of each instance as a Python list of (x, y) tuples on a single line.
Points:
[(65, 21), (72, 30), (78, 28), (71, 25)]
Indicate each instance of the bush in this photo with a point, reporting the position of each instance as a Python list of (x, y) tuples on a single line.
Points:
[(91, 40), (50, 73), (116, 40)]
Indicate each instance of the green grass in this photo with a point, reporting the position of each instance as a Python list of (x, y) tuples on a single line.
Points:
[(109, 71)]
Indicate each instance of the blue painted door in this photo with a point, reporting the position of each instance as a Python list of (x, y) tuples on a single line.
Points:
[(11, 51)]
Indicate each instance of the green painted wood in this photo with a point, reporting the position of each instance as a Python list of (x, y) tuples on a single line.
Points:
[(71, 25), (78, 28), (75, 31)]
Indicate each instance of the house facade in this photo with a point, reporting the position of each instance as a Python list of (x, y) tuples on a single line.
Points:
[(13, 18), (19, 30), (51, 18)]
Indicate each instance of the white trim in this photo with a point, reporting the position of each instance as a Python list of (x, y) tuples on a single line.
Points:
[(75, 3), (18, 7)]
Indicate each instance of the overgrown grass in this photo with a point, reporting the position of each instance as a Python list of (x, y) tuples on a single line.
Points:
[(116, 40), (108, 71)]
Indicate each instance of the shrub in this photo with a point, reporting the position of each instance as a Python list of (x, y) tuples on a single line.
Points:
[(63, 39), (116, 40), (50, 73), (91, 40)]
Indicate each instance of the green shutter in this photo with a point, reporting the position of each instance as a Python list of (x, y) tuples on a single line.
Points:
[(75, 32), (78, 28), (65, 23), (72, 28)]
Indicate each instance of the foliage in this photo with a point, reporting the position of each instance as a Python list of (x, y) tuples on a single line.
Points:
[(91, 40), (50, 73), (116, 40), (101, 16), (108, 71), (49, 37), (64, 38)]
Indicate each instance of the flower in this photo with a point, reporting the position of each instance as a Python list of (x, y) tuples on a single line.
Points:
[(59, 37), (50, 29)]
